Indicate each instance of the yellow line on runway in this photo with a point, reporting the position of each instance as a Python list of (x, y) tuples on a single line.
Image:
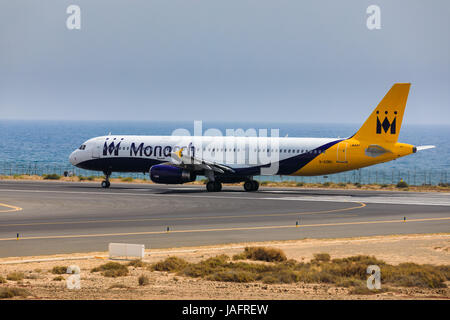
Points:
[(361, 205), (221, 229), (11, 208)]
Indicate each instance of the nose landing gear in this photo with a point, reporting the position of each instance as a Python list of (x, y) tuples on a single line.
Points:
[(106, 183)]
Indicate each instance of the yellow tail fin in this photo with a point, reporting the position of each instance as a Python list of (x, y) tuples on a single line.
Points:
[(383, 125)]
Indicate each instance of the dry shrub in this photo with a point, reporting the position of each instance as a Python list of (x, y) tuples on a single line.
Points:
[(402, 184), (321, 257), (349, 282), (355, 266), (308, 275), (59, 270), (112, 269), (240, 256), (414, 275), (116, 273), (15, 276), (284, 276), (445, 269), (362, 289), (350, 272), (11, 292), (264, 254), (171, 264), (206, 267), (52, 176), (232, 276), (143, 280), (137, 263)]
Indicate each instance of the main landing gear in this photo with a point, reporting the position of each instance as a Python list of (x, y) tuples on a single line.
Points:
[(251, 185), (106, 183), (216, 186), (213, 186)]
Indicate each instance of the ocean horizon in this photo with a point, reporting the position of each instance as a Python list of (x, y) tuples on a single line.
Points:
[(48, 143)]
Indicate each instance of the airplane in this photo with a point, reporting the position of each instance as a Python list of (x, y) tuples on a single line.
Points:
[(233, 159)]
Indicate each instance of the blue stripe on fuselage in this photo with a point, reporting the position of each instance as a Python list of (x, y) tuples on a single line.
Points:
[(290, 165), (126, 164)]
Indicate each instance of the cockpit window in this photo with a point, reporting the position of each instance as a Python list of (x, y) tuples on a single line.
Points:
[(82, 147)]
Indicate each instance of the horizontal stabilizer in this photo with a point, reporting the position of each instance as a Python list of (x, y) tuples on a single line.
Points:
[(375, 150), (420, 148)]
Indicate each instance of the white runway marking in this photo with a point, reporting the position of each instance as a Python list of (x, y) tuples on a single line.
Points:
[(428, 200), (149, 189), (379, 200), (105, 193)]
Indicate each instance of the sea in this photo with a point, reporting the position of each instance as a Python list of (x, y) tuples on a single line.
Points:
[(38, 147)]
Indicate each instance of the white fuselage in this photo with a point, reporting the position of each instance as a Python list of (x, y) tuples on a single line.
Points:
[(235, 152)]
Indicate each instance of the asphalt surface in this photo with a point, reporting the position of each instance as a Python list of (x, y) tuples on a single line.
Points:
[(64, 217)]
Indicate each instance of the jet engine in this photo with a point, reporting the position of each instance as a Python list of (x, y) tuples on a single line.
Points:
[(162, 173)]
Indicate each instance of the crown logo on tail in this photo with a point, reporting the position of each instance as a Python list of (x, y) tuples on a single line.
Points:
[(386, 124)]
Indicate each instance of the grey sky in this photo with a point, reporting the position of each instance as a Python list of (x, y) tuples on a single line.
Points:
[(258, 60)]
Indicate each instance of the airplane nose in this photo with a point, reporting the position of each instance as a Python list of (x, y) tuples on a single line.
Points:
[(73, 158)]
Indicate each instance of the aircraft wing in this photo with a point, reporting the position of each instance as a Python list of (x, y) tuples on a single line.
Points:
[(193, 163)]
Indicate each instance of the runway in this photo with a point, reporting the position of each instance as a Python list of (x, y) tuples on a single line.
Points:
[(65, 217)]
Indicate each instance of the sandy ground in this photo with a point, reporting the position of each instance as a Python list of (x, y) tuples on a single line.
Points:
[(431, 249)]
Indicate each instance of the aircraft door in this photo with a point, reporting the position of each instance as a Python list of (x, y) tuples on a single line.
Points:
[(96, 151), (341, 152)]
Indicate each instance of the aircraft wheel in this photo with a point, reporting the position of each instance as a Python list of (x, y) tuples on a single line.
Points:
[(248, 186), (255, 185), (217, 186), (210, 186), (106, 184)]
